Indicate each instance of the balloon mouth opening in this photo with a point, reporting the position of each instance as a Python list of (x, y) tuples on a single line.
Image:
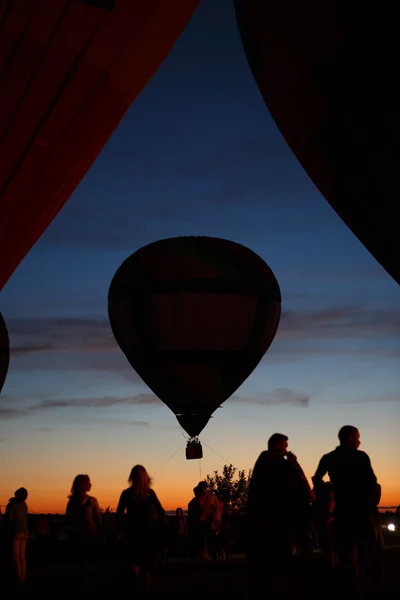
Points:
[(194, 449), (192, 423)]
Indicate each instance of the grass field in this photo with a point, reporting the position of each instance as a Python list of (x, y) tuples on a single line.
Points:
[(109, 578)]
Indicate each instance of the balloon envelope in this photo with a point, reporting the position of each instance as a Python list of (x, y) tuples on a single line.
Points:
[(4, 351), (328, 74), (69, 70), (194, 316)]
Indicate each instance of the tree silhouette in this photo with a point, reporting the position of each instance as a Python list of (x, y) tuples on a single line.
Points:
[(233, 490)]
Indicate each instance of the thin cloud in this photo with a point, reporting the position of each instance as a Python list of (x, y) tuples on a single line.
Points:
[(80, 403), (11, 413), (122, 422), (76, 344), (276, 397), (52, 334), (342, 322), (390, 397), (140, 399)]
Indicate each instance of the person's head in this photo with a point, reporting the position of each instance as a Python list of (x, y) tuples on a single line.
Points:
[(278, 443), (202, 486), (140, 482), (349, 436), (81, 485), (20, 495), (196, 491), (179, 512)]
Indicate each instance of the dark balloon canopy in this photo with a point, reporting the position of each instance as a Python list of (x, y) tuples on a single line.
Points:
[(328, 74), (194, 316), (4, 351), (69, 70)]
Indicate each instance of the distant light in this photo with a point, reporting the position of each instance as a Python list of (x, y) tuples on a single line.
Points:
[(392, 527)]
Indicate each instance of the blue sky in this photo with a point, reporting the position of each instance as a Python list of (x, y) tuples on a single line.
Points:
[(196, 154)]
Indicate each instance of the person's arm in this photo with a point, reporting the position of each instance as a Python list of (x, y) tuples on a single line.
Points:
[(378, 493), (320, 473), (292, 459), (68, 518), (96, 512), (90, 518), (369, 472), (119, 520), (68, 512), (208, 507), (257, 484), (10, 519), (331, 503), (157, 506)]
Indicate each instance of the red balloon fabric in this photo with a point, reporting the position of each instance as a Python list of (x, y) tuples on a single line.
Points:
[(194, 317), (69, 70), (4, 351), (327, 71)]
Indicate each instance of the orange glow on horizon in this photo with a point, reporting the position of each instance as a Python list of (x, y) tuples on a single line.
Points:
[(170, 500)]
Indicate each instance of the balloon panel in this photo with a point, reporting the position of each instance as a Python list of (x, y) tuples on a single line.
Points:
[(326, 72), (4, 352), (69, 72)]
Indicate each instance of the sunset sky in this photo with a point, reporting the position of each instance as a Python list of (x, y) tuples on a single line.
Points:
[(197, 154)]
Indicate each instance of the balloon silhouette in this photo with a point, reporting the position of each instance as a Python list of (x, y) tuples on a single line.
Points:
[(194, 316), (327, 72), (69, 71), (4, 351)]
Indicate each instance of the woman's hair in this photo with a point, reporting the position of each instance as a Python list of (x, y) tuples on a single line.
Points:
[(20, 495), (76, 489), (140, 482)]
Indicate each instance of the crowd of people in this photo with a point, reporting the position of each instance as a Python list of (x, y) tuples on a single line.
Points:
[(285, 517)]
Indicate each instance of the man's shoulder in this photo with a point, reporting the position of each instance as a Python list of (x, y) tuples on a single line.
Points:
[(329, 456), (263, 456), (267, 461), (363, 455)]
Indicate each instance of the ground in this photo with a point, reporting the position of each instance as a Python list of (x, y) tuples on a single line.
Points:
[(183, 579)]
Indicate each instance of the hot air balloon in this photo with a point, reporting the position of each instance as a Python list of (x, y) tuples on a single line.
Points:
[(69, 70), (4, 351), (328, 74), (194, 316)]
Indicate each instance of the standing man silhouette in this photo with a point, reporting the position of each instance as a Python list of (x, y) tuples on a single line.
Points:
[(356, 493)]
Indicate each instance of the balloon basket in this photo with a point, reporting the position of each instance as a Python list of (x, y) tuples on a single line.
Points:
[(194, 450)]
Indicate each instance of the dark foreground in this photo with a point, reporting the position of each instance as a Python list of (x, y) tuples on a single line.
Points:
[(190, 580)]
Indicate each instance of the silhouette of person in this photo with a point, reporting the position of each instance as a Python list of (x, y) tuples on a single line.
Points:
[(223, 527), (323, 512), (208, 518), (277, 513), (356, 495), (16, 517), (83, 520), (193, 524), (180, 533), (144, 518)]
